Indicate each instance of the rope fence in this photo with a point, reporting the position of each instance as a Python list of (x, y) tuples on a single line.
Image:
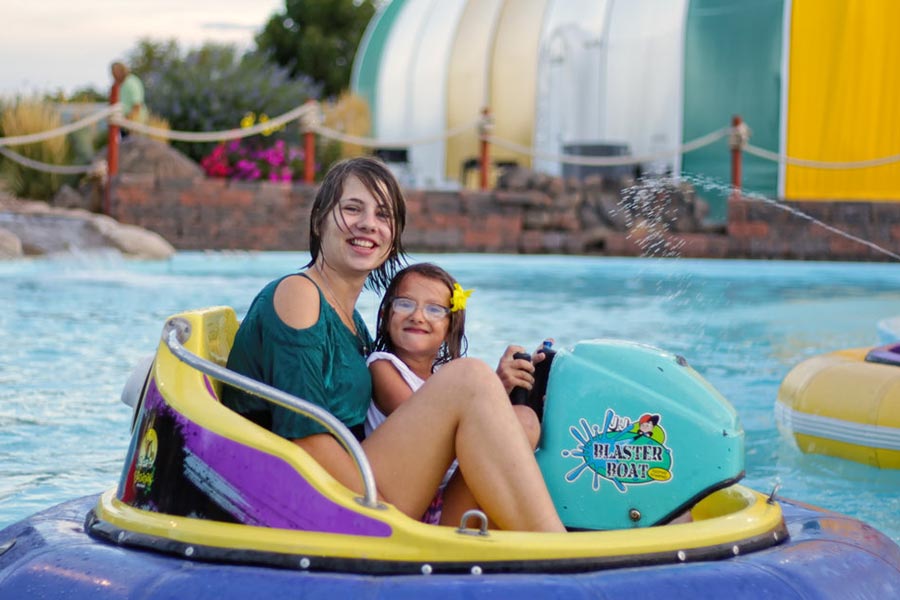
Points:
[(310, 120), (95, 168), (59, 131), (211, 136), (369, 142), (611, 161), (820, 164)]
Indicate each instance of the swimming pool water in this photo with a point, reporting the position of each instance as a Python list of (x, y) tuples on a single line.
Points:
[(74, 326)]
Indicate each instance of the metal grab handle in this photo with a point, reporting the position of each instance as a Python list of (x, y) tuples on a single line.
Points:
[(473, 514), (177, 331)]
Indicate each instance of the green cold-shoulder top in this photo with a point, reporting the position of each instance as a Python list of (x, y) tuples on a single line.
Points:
[(324, 364)]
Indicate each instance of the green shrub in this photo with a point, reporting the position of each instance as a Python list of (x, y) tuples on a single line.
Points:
[(33, 116), (212, 88)]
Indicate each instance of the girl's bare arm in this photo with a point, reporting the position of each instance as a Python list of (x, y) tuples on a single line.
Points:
[(389, 390)]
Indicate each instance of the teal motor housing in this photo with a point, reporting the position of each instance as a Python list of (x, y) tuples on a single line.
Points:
[(632, 436)]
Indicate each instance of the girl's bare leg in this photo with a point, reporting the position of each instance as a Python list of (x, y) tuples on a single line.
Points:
[(530, 424), (458, 497), (462, 411)]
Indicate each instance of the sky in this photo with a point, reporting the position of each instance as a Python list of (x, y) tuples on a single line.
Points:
[(46, 45)]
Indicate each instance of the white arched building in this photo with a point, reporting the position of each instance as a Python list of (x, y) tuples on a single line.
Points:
[(554, 73)]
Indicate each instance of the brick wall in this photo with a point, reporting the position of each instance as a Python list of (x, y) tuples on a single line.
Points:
[(762, 230), (549, 216), (218, 214)]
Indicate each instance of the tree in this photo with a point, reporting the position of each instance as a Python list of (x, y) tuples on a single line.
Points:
[(152, 56), (317, 38)]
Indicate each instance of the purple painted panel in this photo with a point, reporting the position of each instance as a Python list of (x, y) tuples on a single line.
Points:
[(179, 467), (209, 388), (888, 355)]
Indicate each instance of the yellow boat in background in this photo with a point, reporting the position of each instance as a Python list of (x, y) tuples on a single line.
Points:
[(845, 404)]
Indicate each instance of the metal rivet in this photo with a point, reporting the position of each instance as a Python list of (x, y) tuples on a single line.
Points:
[(476, 570), (304, 563), (189, 551), (735, 550), (682, 556), (121, 537), (634, 514), (426, 569)]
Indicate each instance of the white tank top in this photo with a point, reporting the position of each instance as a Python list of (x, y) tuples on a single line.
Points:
[(375, 417)]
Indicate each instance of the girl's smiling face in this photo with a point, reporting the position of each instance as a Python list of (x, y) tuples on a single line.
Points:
[(359, 232), (414, 336)]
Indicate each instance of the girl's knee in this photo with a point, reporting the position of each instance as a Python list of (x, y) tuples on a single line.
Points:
[(469, 372), (461, 382)]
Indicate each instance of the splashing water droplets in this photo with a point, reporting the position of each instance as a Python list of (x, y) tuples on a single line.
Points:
[(655, 207), (711, 185)]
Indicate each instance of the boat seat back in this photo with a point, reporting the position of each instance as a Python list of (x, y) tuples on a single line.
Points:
[(632, 436), (192, 456)]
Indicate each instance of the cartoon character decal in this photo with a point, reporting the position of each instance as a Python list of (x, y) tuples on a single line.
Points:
[(623, 451), (648, 426), (145, 469)]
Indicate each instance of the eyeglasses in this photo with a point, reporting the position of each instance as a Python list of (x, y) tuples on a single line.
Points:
[(407, 306)]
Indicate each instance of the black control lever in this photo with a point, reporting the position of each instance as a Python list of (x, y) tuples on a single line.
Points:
[(534, 399)]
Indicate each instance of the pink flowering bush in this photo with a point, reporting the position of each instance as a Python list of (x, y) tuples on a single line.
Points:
[(250, 160)]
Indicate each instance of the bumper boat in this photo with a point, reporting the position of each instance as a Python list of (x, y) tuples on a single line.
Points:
[(212, 506), (845, 404)]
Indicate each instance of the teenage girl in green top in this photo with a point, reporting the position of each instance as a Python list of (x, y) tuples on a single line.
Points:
[(303, 335)]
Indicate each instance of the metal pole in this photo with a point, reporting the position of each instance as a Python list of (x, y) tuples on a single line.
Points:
[(309, 150), (737, 144), (484, 131)]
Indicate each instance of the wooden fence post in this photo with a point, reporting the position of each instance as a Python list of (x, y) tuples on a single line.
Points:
[(112, 152)]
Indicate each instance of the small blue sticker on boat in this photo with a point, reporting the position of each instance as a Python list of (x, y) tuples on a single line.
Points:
[(622, 451)]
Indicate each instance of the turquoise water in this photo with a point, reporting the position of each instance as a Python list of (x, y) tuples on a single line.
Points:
[(73, 327)]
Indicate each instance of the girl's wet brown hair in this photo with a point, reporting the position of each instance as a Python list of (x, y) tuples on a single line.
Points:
[(382, 184), (455, 344)]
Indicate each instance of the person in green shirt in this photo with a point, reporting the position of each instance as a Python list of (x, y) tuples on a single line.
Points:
[(302, 334), (131, 93)]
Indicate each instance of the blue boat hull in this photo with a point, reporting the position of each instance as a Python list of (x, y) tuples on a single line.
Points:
[(827, 556)]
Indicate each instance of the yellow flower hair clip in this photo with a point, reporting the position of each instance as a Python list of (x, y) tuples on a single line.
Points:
[(459, 297)]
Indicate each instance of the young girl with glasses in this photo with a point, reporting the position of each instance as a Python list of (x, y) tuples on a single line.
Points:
[(421, 326)]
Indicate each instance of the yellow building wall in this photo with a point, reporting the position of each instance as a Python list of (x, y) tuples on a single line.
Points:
[(493, 63), (468, 79), (514, 76), (844, 98)]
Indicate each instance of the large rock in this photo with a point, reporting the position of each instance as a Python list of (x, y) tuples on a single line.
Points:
[(88, 196), (42, 229), (138, 155), (144, 156), (132, 240), (10, 245)]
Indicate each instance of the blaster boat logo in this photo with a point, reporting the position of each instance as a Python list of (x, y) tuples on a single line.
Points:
[(623, 452)]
